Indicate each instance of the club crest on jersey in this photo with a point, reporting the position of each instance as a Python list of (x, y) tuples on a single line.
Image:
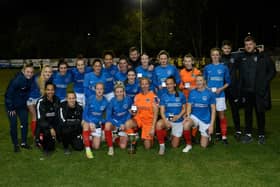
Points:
[(231, 60), (255, 59), (204, 98), (125, 106), (177, 99), (219, 71), (168, 72), (102, 107), (147, 100)]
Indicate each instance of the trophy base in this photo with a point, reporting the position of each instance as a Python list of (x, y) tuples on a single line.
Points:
[(131, 149)]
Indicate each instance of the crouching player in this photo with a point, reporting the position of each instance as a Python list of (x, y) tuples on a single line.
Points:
[(93, 118), (47, 109), (172, 109), (117, 114), (71, 128), (145, 117), (201, 112)]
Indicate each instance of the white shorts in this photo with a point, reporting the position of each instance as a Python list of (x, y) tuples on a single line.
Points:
[(80, 99), (177, 129), (109, 96), (203, 127), (31, 101), (97, 133), (119, 133), (221, 104)]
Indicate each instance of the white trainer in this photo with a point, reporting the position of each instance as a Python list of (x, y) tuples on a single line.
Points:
[(161, 150), (111, 151), (187, 148)]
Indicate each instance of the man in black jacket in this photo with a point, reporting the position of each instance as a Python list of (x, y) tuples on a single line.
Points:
[(71, 117), (47, 109), (256, 71)]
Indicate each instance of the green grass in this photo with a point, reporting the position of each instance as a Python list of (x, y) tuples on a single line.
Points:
[(233, 165)]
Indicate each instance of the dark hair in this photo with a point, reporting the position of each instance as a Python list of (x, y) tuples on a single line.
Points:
[(174, 80), (96, 60), (249, 38), (80, 57), (27, 65), (108, 52), (62, 61), (50, 83), (144, 53), (226, 42), (129, 70), (133, 48), (123, 57)]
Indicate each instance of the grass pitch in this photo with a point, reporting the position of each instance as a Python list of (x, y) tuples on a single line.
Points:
[(234, 165)]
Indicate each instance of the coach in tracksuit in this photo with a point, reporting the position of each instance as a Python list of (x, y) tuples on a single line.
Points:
[(71, 128), (16, 96), (47, 109), (256, 71)]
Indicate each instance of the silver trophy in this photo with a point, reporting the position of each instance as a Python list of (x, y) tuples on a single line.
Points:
[(131, 143), (170, 116)]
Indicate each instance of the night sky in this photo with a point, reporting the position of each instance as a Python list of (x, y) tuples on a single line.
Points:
[(220, 20)]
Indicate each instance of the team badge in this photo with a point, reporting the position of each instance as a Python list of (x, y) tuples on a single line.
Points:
[(255, 59), (125, 106), (204, 98)]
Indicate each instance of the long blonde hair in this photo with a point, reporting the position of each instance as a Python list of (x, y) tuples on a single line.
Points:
[(41, 81)]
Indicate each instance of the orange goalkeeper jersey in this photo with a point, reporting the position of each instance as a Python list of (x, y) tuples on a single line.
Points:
[(188, 79), (144, 103)]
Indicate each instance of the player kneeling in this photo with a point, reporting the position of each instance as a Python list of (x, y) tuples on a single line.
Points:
[(145, 112), (172, 109), (92, 119), (201, 112), (117, 115)]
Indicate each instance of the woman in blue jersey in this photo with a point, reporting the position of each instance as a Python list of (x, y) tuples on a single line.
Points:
[(172, 109), (78, 76), (93, 118), (218, 79), (121, 75), (62, 78), (144, 71), (117, 114), (16, 96), (163, 71), (96, 76), (37, 90), (201, 112), (132, 86), (110, 69)]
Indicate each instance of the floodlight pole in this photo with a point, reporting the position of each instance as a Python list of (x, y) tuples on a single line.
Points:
[(141, 26)]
